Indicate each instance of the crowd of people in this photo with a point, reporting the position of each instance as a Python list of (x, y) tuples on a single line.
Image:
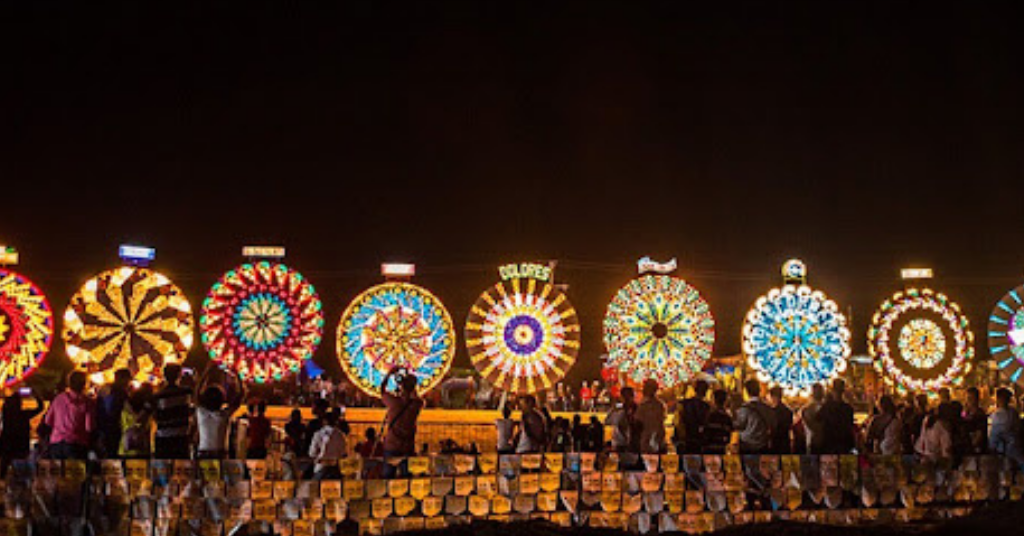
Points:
[(195, 418)]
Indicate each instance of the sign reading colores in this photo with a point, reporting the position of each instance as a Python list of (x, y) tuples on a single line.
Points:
[(525, 270)]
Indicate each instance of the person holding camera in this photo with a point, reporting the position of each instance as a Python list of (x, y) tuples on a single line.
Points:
[(403, 410)]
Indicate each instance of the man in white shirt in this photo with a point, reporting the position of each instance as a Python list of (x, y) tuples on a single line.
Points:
[(533, 430), (505, 427), (651, 416), (327, 447), (622, 419), (1004, 430)]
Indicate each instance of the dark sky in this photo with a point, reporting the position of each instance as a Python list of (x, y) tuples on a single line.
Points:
[(859, 136)]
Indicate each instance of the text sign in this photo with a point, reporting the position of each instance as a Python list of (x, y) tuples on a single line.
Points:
[(525, 270), (137, 253), (263, 252)]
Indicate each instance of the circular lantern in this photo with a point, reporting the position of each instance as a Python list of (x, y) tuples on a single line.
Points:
[(523, 335), (1006, 335), (391, 325), (26, 327), (920, 341), (128, 317), (659, 326), (262, 320)]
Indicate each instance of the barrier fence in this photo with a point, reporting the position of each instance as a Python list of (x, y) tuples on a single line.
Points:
[(691, 493)]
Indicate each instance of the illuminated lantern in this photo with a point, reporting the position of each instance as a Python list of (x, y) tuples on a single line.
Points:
[(523, 334), (26, 325), (794, 336), (658, 326), (262, 320), (129, 317), (920, 341), (1006, 335), (395, 324)]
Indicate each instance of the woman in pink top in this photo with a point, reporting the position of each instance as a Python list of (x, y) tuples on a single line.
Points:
[(71, 420)]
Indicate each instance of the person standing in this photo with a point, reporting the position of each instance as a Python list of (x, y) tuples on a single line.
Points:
[(172, 406), (258, 433), (505, 427), (975, 423), (595, 436), (622, 419), (295, 433), (754, 421), (837, 425), (16, 429), (328, 446), (717, 432), (533, 427), (885, 431), (72, 420), (586, 397), (137, 424), (1004, 436), (650, 416), (811, 422), (213, 417), (781, 441), (108, 414), (935, 442), (403, 411), (691, 416)]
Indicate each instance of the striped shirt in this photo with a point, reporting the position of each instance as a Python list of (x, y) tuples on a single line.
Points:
[(173, 408)]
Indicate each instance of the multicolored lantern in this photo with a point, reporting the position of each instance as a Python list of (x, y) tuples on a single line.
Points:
[(1006, 335), (26, 327), (523, 334)]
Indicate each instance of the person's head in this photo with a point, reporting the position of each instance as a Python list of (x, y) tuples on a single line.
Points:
[(122, 377), (922, 401), (212, 398), (700, 389), (1003, 397), (838, 388), (817, 392), (172, 373), (753, 388), (76, 381), (886, 404), (506, 411), (775, 395), (944, 395), (576, 419), (408, 385), (627, 395), (296, 415), (973, 397), (319, 407), (594, 421), (720, 396), (371, 434), (12, 402), (650, 388), (529, 402), (261, 408), (331, 417)]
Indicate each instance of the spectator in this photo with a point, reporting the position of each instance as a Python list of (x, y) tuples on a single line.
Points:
[(691, 416), (137, 424), (935, 442), (885, 431), (781, 441), (403, 410), (71, 420), (16, 429), (314, 425), (650, 416), (533, 428), (579, 433), (595, 436), (258, 432), (837, 427), (506, 429), (329, 445), (975, 423), (295, 433), (213, 417), (108, 414), (371, 447), (622, 419), (811, 421), (586, 397), (754, 421), (561, 439), (1004, 436), (913, 426), (172, 409), (717, 431)]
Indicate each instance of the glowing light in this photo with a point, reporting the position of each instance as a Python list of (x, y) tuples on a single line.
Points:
[(1006, 335), (920, 341), (916, 273), (8, 256), (794, 269), (395, 324), (523, 334), (647, 265), (26, 327), (658, 326), (263, 252), (137, 254), (130, 318), (393, 269), (262, 321)]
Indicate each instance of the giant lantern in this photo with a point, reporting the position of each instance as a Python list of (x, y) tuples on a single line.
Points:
[(522, 333), (795, 336), (658, 326), (129, 317), (262, 320), (26, 323), (1006, 335), (919, 339), (395, 324)]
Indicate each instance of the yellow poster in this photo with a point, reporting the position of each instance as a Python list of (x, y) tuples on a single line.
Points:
[(263, 489), (479, 506), (464, 464), (486, 485), (554, 462), (652, 482), (547, 502), (501, 505), (419, 488), (375, 489), (670, 463), (330, 489), (382, 508), (611, 500), (441, 486), (550, 481), (353, 490), (419, 465), (265, 510), (350, 467), (531, 461), (464, 485), (284, 489), (432, 506), (524, 504), (529, 483), (674, 500), (488, 462), (398, 487), (404, 505)]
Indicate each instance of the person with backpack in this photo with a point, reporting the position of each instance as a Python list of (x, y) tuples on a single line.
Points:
[(885, 431), (754, 421), (137, 423)]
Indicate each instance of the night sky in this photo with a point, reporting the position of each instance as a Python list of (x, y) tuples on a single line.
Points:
[(858, 136)]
